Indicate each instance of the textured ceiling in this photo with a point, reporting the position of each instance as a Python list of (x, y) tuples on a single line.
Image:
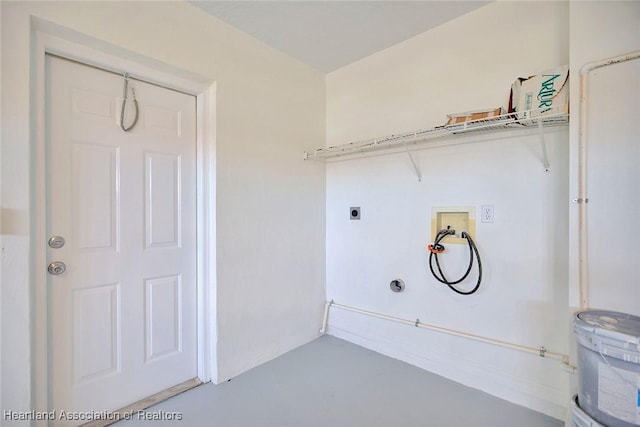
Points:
[(328, 35)]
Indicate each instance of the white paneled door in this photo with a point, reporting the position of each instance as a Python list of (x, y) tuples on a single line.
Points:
[(122, 322)]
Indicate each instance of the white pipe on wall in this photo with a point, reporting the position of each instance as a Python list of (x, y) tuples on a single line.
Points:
[(326, 317), (541, 351), (582, 199)]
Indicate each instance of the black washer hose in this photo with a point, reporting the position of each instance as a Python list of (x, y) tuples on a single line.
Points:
[(440, 277)]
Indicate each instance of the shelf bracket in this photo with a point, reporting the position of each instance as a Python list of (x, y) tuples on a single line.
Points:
[(543, 146), (416, 168)]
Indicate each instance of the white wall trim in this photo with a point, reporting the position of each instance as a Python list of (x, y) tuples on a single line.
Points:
[(55, 39)]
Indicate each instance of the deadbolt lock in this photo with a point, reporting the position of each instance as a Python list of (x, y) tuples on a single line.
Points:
[(56, 242)]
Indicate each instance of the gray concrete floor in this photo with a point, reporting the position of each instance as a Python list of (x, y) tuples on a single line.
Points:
[(331, 382)]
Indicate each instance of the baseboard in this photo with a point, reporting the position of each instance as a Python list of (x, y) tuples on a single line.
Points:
[(544, 398)]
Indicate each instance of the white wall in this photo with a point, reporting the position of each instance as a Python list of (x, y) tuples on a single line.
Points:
[(466, 64), (270, 204), (271, 251), (1, 215), (613, 154)]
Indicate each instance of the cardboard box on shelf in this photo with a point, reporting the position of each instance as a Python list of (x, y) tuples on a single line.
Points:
[(473, 115), (542, 94)]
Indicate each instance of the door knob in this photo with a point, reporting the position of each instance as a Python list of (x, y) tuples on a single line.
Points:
[(56, 268), (56, 242)]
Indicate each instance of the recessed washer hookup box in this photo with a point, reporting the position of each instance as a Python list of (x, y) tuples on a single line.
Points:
[(541, 94)]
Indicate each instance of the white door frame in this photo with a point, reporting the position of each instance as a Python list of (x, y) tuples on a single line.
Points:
[(50, 38)]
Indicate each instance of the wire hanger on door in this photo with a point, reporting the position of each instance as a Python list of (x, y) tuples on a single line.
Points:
[(124, 103)]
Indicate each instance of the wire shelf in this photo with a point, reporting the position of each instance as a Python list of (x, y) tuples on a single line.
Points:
[(511, 121)]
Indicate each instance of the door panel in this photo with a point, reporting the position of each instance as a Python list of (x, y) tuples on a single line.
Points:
[(164, 318), (96, 334), (94, 173), (123, 314), (163, 199), (162, 121)]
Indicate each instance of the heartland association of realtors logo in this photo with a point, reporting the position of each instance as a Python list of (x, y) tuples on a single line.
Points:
[(86, 416)]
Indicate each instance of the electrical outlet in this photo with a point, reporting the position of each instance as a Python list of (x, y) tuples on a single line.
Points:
[(486, 213), (354, 212)]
